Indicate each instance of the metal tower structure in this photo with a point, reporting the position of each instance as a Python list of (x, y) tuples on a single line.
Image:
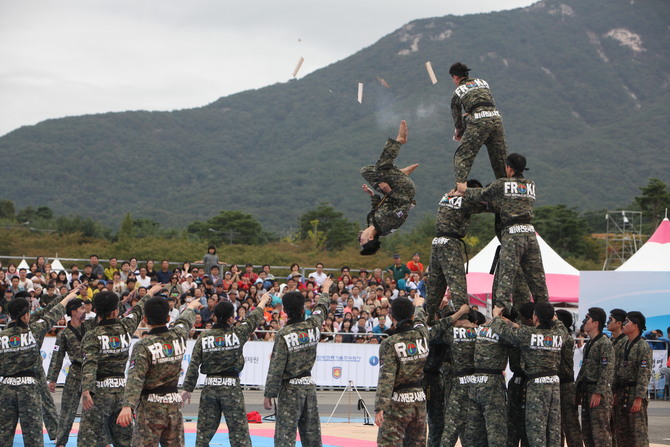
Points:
[(623, 238)]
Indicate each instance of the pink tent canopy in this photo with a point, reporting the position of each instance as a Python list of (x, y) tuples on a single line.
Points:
[(654, 255), (562, 278)]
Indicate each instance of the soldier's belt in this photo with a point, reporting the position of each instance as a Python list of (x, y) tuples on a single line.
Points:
[(15, 381), (221, 381), (111, 382), (441, 240), (474, 378), (518, 380), (307, 380), (628, 384), (524, 228), (485, 114), (170, 398), (546, 379), (410, 397)]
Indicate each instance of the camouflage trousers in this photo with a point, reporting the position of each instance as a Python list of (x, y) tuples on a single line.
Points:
[(228, 400), (446, 269), (543, 414), (69, 404), (404, 424), (297, 408), (158, 423), (520, 291), (570, 427), (516, 404), (596, 421), (489, 410), (631, 428), (98, 425), (385, 170), (49, 412), (24, 403), (520, 249), (434, 388), (489, 132), (457, 413)]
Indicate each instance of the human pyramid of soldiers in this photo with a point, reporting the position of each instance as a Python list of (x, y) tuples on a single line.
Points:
[(443, 366)]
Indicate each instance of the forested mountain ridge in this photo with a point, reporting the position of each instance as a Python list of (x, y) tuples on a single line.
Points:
[(582, 86)]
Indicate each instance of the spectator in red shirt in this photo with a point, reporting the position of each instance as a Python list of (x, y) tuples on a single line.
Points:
[(414, 265)]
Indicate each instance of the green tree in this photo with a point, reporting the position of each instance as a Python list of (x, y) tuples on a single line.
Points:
[(126, 230), (564, 230), (7, 209), (338, 230), (230, 227), (653, 202), (44, 212), (144, 227), (27, 214)]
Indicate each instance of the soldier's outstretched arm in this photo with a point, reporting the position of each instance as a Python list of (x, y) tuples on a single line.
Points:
[(56, 360)]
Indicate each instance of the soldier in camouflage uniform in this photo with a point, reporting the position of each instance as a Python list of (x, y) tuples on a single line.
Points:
[(516, 387), (594, 382), (397, 190), (631, 379), (615, 326), (446, 257), (218, 354), (105, 353), (289, 376), (20, 344), (513, 197), (540, 359), (487, 396), (68, 342), (571, 430), (477, 123), (153, 374)]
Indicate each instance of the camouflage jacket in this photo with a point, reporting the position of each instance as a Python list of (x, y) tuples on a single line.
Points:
[(219, 349), (20, 345), (439, 353), (462, 341), (633, 371), (540, 348), (491, 353), (390, 211), (618, 345), (512, 197), (453, 215), (598, 364), (106, 347), (68, 342), (470, 95), (402, 357), (156, 359), (294, 351)]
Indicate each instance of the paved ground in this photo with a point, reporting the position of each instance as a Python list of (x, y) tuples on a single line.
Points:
[(659, 411)]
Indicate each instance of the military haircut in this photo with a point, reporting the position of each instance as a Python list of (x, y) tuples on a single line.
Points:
[(459, 69), (105, 303), (545, 312), (599, 315), (294, 304), (637, 318), (157, 311), (474, 183), (73, 305), (18, 307), (402, 308), (371, 247), (517, 162), (223, 311), (565, 317), (618, 314), (475, 316), (527, 310)]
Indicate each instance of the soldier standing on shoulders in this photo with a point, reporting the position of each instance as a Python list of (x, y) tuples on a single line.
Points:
[(105, 350), (218, 353), (20, 344), (390, 210), (68, 342), (594, 382), (477, 123), (289, 376), (615, 326), (631, 379), (153, 375)]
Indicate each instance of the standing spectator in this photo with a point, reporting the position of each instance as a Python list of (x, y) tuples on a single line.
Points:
[(164, 274), (97, 270), (319, 276), (113, 267), (143, 279), (398, 269), (415, 265), (210, 259), (151, 273), (249, 273)]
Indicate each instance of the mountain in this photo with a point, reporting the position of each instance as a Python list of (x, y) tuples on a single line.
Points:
[(582, 86)]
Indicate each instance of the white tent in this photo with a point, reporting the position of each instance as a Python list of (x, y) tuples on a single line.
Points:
[(562, 278), (654, 255), (23, 265), (57, 266)]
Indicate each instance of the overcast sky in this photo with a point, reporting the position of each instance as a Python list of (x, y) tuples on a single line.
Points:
[(75, 57)]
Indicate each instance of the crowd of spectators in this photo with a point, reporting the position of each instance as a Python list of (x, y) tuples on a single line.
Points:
[(359, 308)]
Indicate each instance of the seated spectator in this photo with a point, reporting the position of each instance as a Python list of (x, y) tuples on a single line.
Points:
[(381, 326), (346, 332), (174, 311), (207, 313)]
